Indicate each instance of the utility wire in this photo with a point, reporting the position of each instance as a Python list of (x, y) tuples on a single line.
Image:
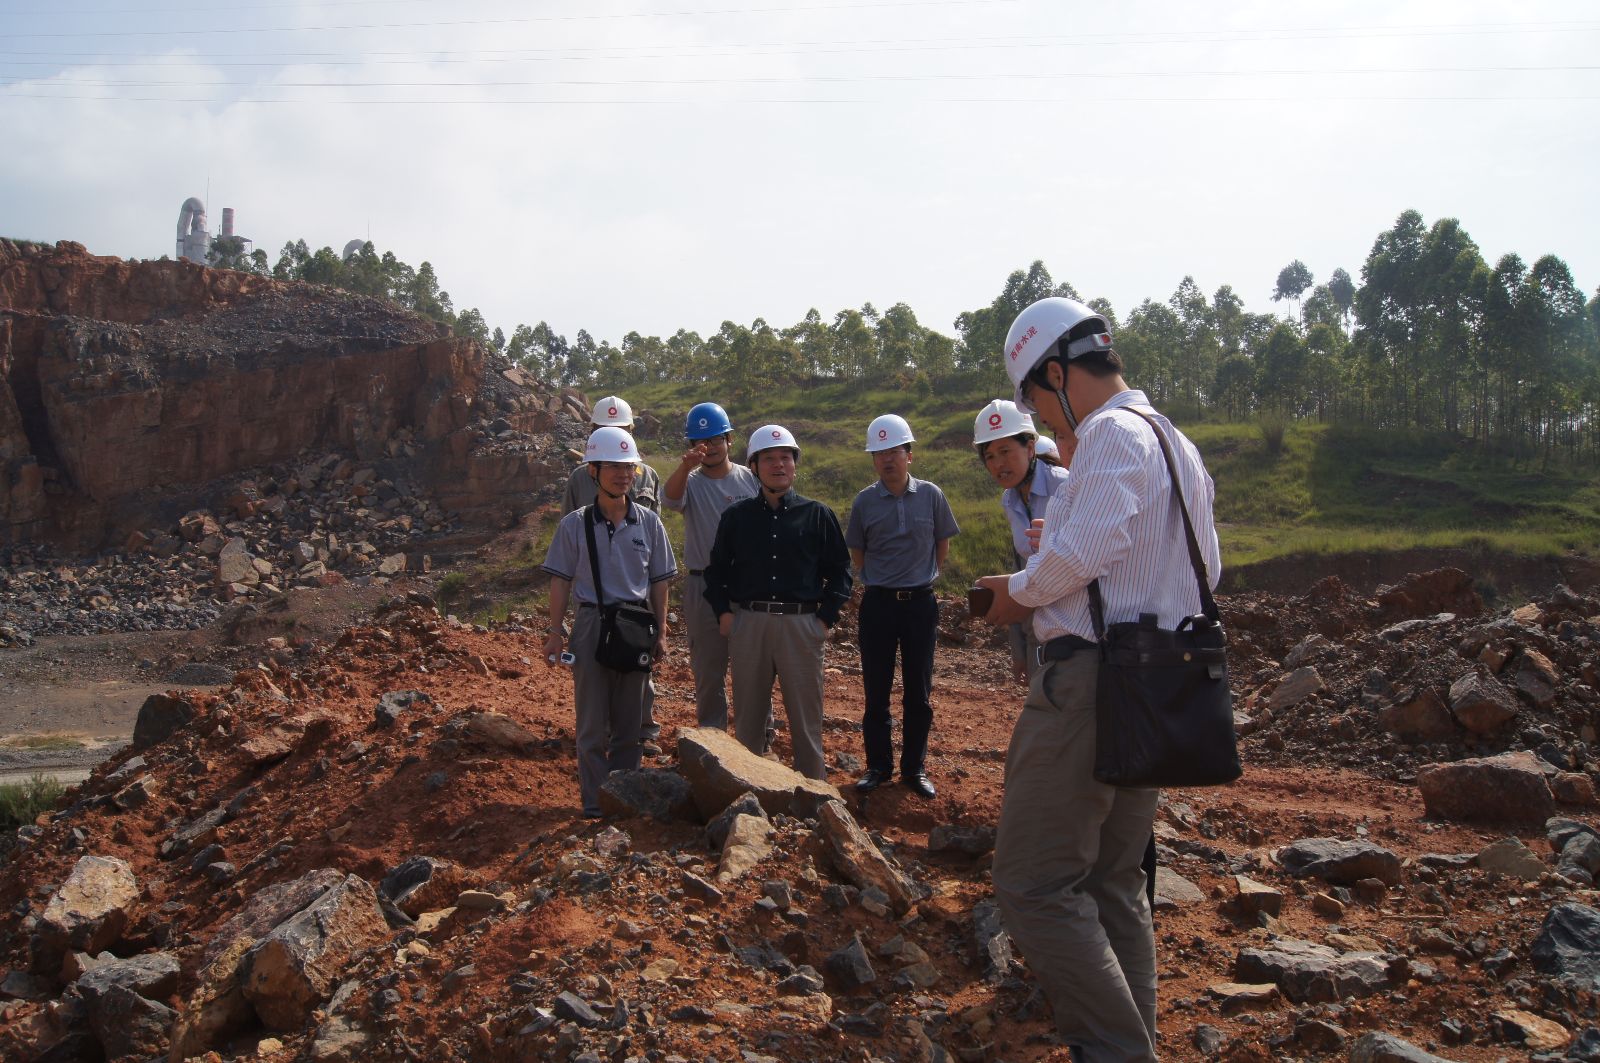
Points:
[(529, 20), (742, 50), (917, 101), (1051, 75)]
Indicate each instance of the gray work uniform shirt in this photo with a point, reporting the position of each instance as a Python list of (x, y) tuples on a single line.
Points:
[(633, 555), (899, 533), (582, 490), (702, 504)]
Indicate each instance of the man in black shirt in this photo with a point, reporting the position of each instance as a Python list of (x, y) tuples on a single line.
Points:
[(778, 576)]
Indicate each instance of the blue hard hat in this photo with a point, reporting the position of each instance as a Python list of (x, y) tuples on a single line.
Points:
[(707, 420)]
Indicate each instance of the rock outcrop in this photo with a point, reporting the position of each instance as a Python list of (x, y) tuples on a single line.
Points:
[(123, 382)]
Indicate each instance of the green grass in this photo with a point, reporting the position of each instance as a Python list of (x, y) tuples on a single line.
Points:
[(21, 802), (1338, 490), (1325, 490), (50, 741)]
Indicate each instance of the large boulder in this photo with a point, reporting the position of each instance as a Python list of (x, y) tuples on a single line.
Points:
[(1374, 1047), (422, 884), (86, 914), (297, 966), (1295, 687), (1310, 973), (159, 718), (129, 1025), (660, 793), (859, 860), (719, 770), (1419, 715), (1508, 788), (747, 843), (217, 1007), (1511, 858), (1481, 703), (1568, 946), (1338, 861)]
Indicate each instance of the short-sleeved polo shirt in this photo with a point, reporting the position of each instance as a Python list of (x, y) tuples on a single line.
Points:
[(1047, 480), (703, 502), (632, 555), (899, 533)]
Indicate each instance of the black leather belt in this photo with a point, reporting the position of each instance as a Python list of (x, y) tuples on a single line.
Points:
[(625, 601), (781, 607), (1059, 649), (899, 594)]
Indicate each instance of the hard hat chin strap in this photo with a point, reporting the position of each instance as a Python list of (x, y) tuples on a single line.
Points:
[(1066, 410)]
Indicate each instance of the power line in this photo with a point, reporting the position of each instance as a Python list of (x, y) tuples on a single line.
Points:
[(1050, 75), (746, 49), (529, 20), (792, 101)]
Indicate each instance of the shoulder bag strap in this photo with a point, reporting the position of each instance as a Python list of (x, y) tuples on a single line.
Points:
[(594, 561), (1208, 604)]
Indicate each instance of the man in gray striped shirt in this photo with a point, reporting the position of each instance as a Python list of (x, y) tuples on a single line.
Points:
[(1067, 856)]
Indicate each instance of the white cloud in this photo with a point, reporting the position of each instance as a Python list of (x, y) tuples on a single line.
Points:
[(658, 215)]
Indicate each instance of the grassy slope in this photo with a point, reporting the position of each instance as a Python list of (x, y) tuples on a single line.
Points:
[(1330, 490)]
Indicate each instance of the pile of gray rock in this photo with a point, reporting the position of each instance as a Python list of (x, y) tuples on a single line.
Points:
[(1391, 699), (315, 523)]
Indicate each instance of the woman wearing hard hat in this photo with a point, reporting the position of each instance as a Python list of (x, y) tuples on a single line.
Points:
[(1009, 445)]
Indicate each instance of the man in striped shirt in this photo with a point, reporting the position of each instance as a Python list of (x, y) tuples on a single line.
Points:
[(1067, 857)]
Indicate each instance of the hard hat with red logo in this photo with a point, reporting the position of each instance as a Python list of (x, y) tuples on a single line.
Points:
[(887, 432), (769, 437), (1000, 420), (611, 411), (611, 443), (1035, 332), (1044, 446)]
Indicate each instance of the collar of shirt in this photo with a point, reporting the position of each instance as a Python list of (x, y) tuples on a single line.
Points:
[(1131, 397), (629, 517), (884, 492), (787, 499)]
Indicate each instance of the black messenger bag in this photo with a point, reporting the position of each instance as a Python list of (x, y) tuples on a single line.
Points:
[(1163, 712), (627, 632)]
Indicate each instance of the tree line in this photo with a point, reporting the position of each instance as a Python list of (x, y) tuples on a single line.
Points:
[(1431, 338)]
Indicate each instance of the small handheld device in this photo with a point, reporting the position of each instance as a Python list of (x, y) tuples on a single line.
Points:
[(979, 601), (565, 657)]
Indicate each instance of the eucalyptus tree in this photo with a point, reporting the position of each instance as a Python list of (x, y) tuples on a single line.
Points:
[(1293, 280)]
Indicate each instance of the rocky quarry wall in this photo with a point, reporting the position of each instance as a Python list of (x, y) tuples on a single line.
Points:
[(124, 383)]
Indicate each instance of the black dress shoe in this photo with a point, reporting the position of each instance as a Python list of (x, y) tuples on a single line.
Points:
[(872, 780), (918, 783)]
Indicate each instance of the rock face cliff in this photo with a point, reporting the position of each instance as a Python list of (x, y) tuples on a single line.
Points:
[(123, 383)]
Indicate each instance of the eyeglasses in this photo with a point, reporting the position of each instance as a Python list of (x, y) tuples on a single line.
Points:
[(612, 466), (1025, 402)]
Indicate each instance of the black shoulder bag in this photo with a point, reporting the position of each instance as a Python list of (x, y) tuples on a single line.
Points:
[(1163, 712), (627, 632)]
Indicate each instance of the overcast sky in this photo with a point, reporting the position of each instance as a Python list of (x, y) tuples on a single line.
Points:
[(613, 165)]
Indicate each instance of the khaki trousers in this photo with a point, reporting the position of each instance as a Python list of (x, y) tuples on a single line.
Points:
[(788, 647), (1067, 872), (708, 655)]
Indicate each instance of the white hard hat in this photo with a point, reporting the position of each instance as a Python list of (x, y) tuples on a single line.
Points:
[(1034, 333), (887, 432), (769, 436), (1046, 446), (611, 444), (1000, 420), (612, 411)]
